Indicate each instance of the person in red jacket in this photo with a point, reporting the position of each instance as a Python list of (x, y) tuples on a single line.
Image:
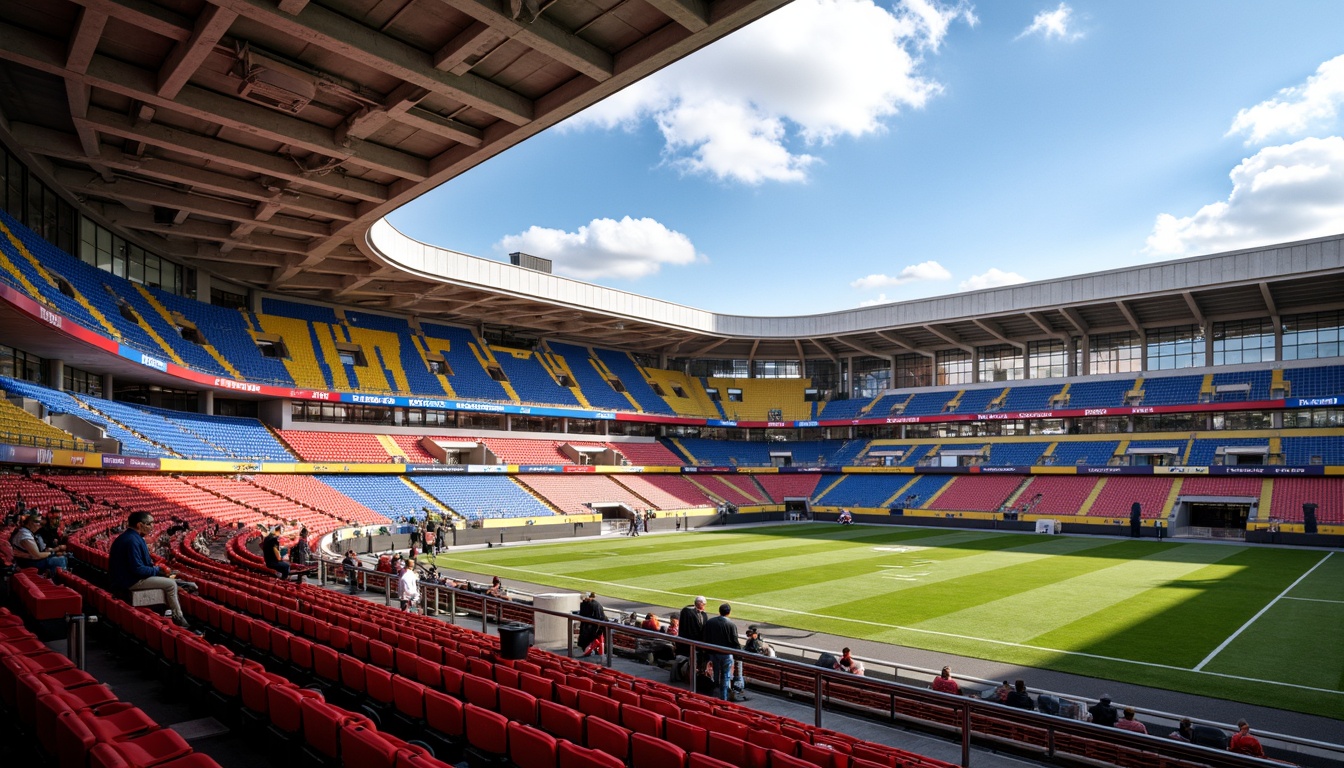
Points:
[(1243, 743), (944, 683)]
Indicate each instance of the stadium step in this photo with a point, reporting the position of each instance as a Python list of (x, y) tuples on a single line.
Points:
[(174, 322), (1172, 496), (484, 356), (1092, 497), (392, 448), (900, 492)]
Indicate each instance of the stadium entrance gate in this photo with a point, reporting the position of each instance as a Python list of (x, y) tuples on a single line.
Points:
[(797, 508), (1213, 517)]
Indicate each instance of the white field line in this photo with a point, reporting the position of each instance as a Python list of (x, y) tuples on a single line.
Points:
[(1200, 667), (1315, 600), (917, 630)]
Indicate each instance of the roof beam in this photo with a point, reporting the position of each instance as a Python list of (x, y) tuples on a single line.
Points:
[(1130, 317), (145, 15), (825, 350), (904, 343), (997, 333), (802, 358), (214, 150), (199, 230), (341, 35), (949, 338), (467, 48), (1194, 307), (711, 346), (860, 348), (1269, 298), (691, 14), (189, 54), (1075, 319), (1045, 327), (542, 35)]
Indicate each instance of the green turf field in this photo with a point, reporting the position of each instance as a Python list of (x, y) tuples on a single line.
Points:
[(1248, 623)]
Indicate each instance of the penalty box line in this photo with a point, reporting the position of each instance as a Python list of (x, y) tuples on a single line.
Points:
[(1200, 667), (934, 632)]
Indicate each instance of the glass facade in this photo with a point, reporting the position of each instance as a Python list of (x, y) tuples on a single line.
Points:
[(953, 366), (1178, 347), (1002, 362), (1048, 359), (1311, 336), (913, 371), (1115, 353), (1243, 341)]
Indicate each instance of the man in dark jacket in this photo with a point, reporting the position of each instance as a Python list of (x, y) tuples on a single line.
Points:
[(722, 632), (1102, 713), (591, 635), (130, 566), (692, 624)]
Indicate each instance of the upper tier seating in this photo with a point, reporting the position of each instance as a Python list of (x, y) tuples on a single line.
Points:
[(1308, 451), (335, 446), (531, 380), (648, 454), (693, 400), (60, 402), (313, 313), (1116, 497), (760, 396), (227, 331), (387, 495), (793, 486), (1259, 381), (1290, 493), (596, 390), (1030, 398), (1204, 453), (241, 438), (976, 493), (751, 454), (518, 450), (304, 363), (666, 491), (162, 431), (847, 454), (479, 497), (923, 404), (570, 494), (468, 378), (843, 409), (35, 494), (1321, 381), (977, 400), (418, 377), (1058, 494), (633, 379), (20, 427), (1093, 453), (1172, 390), (1099, 394)]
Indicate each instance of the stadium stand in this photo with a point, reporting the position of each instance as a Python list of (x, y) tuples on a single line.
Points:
[(301, 361), (1088, 452), (310, 491), (1208, 451), (240, 438), (595, 387), (632, 377), (572, 495), (60, 402), (476, 498), (461, 351), (530, 379), (389, 495), (977, 400), (228, 332), (668, 491), (19, 427), (761, 396), (1318, 381), (334, 446), (1015, 454), (1290, 493), (734, 489), (1313, 451), (1256, 386), (156, 428), (977, 493), (871, 491), (843, 409), (793, 486), (1030, 398), (1244, 487), (685, 394), (648, 454), (1116, 497), (1055, 494), (1098, 394), (924, 404), (1172, 390)]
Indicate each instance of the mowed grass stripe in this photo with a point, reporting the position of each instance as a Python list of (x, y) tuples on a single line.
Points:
[(816, 589), (1327, 583), (1086, 600), (1292, 643)]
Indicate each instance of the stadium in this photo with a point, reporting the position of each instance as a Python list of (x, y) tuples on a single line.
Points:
[(1129, 480)]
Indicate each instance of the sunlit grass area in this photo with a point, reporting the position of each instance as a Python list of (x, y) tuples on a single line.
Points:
[(1177, 615)]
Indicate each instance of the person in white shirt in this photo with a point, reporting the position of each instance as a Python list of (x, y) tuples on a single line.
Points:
[(408, 587)]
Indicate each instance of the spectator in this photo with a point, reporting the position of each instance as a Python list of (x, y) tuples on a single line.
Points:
[(50, 533), (848, 663), (497, 589), (32, 552), (692, 624), (1243, 743), (720, 631), (591, 635), (756, 644), (298, 554), (130, 566), (270, 552), (408, 588), (673, 627), (651, 623), (1001, 693), (1018, 697), (1128, 723), (1184, 732), (350, 563), (1102, 713), (944, 683)]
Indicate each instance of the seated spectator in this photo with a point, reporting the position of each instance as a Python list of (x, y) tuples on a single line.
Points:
[(845, 518), (31, 552), (1019, 697), (944, 683), (756, 644), (384, 564), (1128, 723), (673, 627), (651, 623), (1243, 743), (270, 552), (131, 568), (51, 533), (1184, 732), (848, 663), (1102, 713), (1001, 693)]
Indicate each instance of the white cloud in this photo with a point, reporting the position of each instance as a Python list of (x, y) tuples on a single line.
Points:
[(927, 270), (1295, 110), (814, 71), (1288, 192), (628, 249), (1054, 25), (993, 278), (881, 299)]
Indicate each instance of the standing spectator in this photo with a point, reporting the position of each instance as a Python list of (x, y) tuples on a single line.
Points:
[(1102, 713), (1243, 743), (591, 635), (350, 564), (131, 568), (1019, 697), (415, 533), (1128, 722), (692, 624), (270, 552), (1135, 520), (944, 683), (1184, 732), (32, 552), (298, 554), (408, 588), (720, 631)]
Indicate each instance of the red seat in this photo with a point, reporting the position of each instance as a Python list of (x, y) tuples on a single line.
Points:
[(770, 740), (452, 680), (560, 721), (507, 677), (608, 737), (252, 686), (429, 672), (480, 691), (531, 748), (597, 705), (153, 748), (642, 721), (825, 757), (570, 755), (624, 696), (115, 722), (326, 663), (655, 753), (362, 747), (409, 697), (73, 741), (691, 738), (322, 725), (487, 731), (705, 761), (283, 703), (378, 684), (380, 654), (783, 760), (301, 652), (224, 674), (352, 674), (443, 713), (540, 687), (518, 706)]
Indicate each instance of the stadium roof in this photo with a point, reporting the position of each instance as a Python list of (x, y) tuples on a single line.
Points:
[(264, 140)]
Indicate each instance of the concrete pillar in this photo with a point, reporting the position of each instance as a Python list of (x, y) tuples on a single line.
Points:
[(107, 385), (550, 630), (56, 374), (205, 401), (202, 286)]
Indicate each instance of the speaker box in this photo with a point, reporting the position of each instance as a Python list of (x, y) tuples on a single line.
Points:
[(1309, 517)]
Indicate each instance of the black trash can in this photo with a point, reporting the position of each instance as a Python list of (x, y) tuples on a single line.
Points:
[(515, 638)]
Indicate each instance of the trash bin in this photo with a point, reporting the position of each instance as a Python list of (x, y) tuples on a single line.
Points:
[(515, 638)]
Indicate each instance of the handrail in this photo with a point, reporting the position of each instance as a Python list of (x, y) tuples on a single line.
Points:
[(962, 709)]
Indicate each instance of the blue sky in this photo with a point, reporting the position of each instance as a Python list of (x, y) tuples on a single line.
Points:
[(841, 152)]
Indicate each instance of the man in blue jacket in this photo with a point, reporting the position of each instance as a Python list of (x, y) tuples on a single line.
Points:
[(131, 568)]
